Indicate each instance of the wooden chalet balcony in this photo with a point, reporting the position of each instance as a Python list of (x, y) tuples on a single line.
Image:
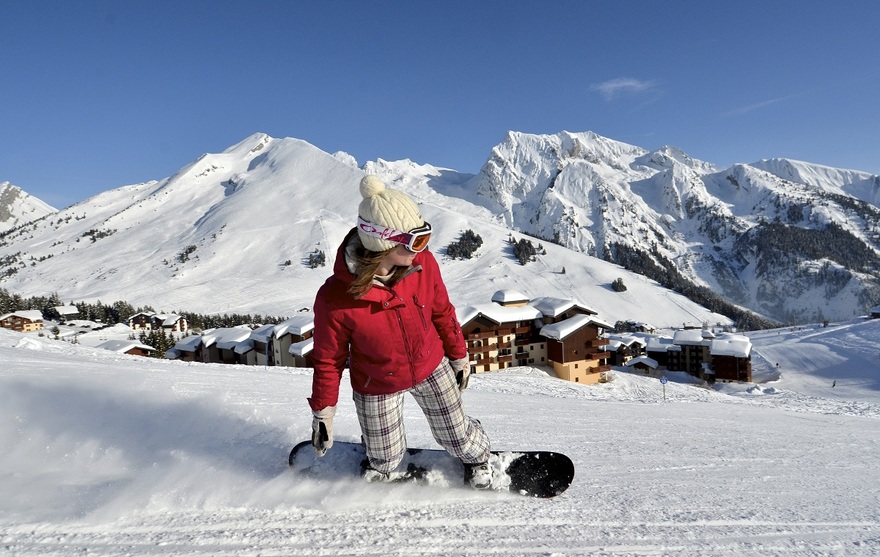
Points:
[(600, 369), (596, 342), (481, 349), (481, 336), (502, 359), (599, 355), (522, 330)]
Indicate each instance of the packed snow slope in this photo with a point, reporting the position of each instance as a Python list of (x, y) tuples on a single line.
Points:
[(103, 454)]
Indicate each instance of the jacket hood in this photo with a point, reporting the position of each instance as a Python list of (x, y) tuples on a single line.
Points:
[(343, 268)]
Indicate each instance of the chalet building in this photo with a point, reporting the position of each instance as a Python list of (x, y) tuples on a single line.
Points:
[(66, 313), (516, 331), (700, 353), (301, 352), (261, 339), (874, 312), (24, 321), (623, 348), (141, 321), (187, 349), (127, 347), (167, 323), (500, 337), (575, 349), (658, 349), (297, 331), (693, 350), (637, 327), (212, 346), (286, 344), (218, 345), (731, 359), (643, 364)]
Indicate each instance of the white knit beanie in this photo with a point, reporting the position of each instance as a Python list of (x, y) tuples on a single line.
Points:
[(384, 206)]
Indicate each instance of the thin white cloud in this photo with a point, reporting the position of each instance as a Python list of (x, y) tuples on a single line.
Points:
[(614, 87), (757, 106)]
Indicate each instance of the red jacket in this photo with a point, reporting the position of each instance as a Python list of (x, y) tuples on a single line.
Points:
[(392, 338)]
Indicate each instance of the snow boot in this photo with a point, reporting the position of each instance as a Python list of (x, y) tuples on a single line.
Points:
[(412, 473), (478, 475)]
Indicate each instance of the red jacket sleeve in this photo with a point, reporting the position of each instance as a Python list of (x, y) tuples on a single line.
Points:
[(330, 353), (443, 314)]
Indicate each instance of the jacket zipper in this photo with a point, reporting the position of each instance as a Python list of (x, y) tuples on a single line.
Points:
[(421, 308), (410, 358)]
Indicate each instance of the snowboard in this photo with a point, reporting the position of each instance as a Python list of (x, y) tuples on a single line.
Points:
[(541, 474)]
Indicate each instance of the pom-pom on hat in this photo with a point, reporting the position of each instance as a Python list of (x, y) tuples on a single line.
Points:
[(384, 206)]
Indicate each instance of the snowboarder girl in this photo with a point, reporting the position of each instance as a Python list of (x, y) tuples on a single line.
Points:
[(385, 314)]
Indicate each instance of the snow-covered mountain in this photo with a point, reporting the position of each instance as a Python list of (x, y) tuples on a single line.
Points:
[(791, 240), (18, 207), (232, 232)]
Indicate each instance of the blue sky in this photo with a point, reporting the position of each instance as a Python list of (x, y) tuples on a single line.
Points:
[(97, 94)]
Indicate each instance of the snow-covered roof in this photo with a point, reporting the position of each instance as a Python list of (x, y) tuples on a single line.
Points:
[(226, 334), (509, 296), (30, 314), (551, 307), (66, 310), (244, 346), (497, 313), (650, 362), (626, 340), (123, 346), (689, 337), (731, 345), (296, 325), (302, 347), (656, 343), (263, 333), (187, 344), (144, 313), (168, 320), (566, 327)]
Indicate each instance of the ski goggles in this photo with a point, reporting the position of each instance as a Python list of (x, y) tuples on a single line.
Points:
[(415, 240)]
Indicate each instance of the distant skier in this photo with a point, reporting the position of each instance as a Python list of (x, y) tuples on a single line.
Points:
[(834, 383), (386, 315)]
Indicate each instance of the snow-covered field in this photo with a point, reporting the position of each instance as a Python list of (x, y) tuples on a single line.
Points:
[(102, 454)]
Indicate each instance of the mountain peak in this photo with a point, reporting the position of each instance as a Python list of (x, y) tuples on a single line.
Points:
[(18, 207)]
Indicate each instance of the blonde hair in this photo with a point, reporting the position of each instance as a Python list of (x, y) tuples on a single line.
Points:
[(367, 262)]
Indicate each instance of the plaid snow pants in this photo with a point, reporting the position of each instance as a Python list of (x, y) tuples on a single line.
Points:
[(384, 436)]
